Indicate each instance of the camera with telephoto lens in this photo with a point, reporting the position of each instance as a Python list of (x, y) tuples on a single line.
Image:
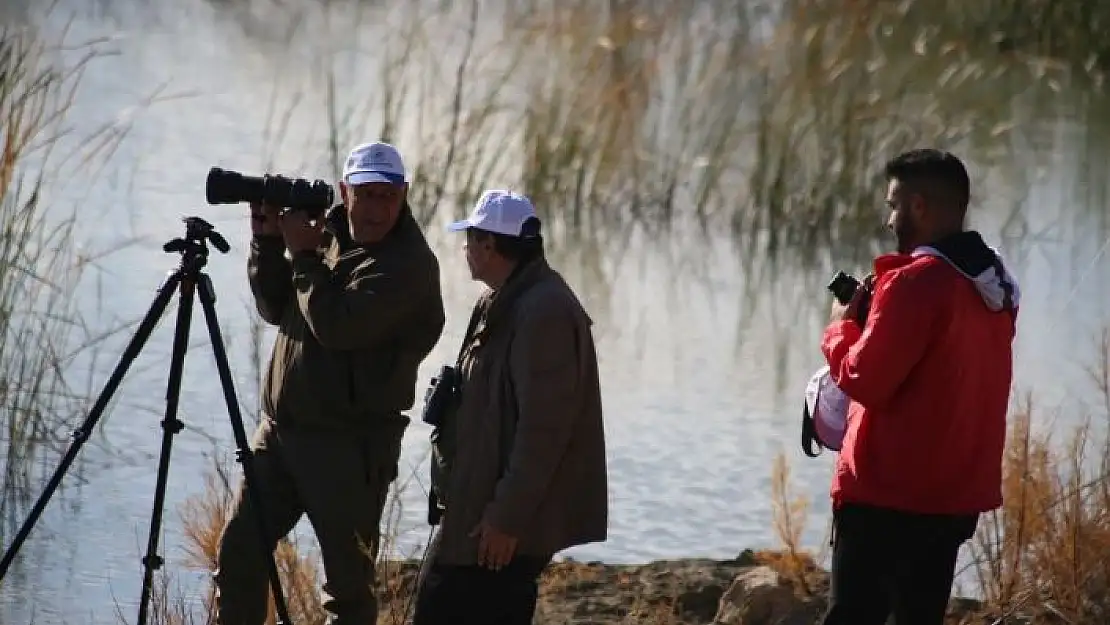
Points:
[(294, 194)]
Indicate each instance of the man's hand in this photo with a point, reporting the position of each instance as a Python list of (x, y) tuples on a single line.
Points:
[(851, 311), (495, 549), (301, 235), (264, 220)]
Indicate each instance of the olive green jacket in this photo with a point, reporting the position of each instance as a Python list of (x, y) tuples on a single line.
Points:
[(525, 446), (354, 324)]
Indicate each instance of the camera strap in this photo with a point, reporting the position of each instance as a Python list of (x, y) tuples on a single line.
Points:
[(476, 315)]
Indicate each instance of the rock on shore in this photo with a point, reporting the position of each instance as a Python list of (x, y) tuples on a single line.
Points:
[(756, 588)]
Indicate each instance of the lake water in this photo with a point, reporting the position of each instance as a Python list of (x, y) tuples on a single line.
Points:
[(702, 367)]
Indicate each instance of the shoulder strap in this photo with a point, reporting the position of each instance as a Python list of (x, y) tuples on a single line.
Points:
[(809, 433)]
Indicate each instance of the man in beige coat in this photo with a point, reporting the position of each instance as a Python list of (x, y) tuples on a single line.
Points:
[(519, 468)]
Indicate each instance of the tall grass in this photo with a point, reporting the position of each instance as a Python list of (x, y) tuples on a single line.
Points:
[(43, 327), (1070, 32), (766, 121), (1046, 553), (660, 128), (1044, 556)]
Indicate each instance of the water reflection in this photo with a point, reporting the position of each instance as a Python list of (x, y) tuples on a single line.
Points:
[(700, 208)]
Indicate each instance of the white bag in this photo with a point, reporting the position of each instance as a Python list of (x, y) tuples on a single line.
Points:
[(825, 414)]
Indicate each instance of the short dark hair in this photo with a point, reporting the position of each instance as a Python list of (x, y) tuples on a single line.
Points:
[(938, 175), (525, 247)]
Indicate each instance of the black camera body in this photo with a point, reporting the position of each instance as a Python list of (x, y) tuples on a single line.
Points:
[(843, 287), (441, 394), (295, 194)]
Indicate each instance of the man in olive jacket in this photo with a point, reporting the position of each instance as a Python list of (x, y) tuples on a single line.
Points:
[(520, 458), (358, 306)]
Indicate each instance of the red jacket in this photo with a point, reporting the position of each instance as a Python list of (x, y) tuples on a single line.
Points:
[(929, 377)]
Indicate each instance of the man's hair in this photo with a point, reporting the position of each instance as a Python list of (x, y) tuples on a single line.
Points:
[(523, 248), (938, 176)]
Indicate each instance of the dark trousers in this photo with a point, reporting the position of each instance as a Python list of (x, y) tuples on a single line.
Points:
[(341, 483), (473, 595), (887, 564)]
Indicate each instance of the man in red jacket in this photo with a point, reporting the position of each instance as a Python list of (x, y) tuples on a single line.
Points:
[(928, 368)]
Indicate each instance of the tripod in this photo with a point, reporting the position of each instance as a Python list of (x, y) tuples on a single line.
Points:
[(185, 280)]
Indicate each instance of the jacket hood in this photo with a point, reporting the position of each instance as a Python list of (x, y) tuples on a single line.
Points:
[(980, 263)]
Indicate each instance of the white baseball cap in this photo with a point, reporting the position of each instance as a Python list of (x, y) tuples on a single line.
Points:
[(374, 162), (500, 211)]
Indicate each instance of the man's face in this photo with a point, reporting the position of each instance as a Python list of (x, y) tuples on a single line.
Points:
[(907, 215), (478, 249), (373, 209)]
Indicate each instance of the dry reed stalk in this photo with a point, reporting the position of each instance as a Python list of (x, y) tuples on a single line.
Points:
[(1045, 553)]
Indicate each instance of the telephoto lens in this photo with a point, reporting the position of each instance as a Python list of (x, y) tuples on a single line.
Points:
[(296, 194), (231, 187)]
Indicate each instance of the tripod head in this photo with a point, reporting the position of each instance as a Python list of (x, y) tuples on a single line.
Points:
[(193, 247)]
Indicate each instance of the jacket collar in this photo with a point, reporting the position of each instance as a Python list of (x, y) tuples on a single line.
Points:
[(969, 255), (496, 305)]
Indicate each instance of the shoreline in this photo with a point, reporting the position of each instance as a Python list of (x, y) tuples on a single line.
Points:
[(758, 587)]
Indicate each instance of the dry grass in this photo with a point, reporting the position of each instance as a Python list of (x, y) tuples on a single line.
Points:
[(788, 519), (204, 517), (1046, 553)]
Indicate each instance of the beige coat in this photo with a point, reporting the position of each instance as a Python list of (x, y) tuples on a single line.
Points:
[(530, 443)]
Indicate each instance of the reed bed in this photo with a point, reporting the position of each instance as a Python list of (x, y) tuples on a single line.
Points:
[(768, 126), (44, 329), (1046, 554), (663, 128)]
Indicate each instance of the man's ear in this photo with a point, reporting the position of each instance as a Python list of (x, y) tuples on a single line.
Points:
[(918, 207)]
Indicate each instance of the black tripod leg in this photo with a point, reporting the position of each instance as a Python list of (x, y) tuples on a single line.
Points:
[(170, 425), (244, 454), (82, 433)]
